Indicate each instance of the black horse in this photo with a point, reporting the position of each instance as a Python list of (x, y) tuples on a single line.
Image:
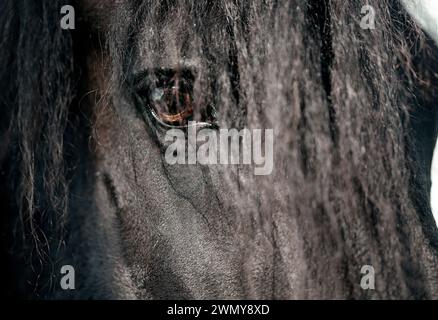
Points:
[(84, 181)]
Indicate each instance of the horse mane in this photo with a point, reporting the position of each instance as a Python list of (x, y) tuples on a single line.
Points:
[(37, 88), (359, 184)]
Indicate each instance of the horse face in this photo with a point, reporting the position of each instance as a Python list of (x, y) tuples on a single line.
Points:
[(151, 229), (177, 227)]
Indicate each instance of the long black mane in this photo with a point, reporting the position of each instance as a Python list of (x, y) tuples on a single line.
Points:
[(353, 105), (38, 87)]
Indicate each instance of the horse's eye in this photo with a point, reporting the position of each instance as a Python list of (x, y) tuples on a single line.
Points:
[(167, 95), (172, 102)]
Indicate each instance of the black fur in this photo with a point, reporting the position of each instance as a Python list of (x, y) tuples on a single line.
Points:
[(84, 181)]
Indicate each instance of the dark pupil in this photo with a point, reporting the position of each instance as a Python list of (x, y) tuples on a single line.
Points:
[(172, 100)]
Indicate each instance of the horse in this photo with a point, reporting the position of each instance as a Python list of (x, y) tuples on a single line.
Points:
[(85, 182)]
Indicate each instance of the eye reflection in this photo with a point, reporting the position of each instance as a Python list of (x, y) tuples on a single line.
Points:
[(172, 101), (168, 96)]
